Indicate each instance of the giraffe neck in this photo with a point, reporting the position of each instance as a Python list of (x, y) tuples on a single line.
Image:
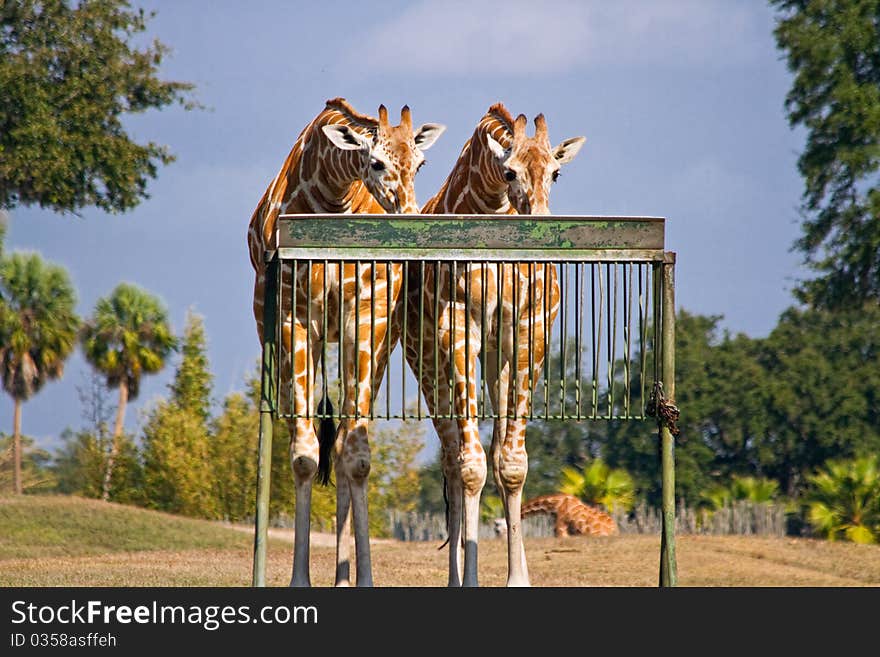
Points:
[(316, 177), (476, 183)]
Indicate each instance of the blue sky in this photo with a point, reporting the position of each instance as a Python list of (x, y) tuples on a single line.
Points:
[(681, 102)]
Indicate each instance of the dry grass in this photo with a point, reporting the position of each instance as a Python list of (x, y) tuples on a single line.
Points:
[(619, 561), (171, 551)]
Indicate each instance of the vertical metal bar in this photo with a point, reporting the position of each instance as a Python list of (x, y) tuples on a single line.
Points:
[(356, 343), (467, 336), (668, 568), (498, 331), (627, 331), (483, 278), (308, 341), (268, 398), (514, 369), (436, 371), (403, 340), (324, 302), (578, 309), (453, 274), (388, 317), (341, 351), (294, 292), (643, 328), (603, 298), (612, 334), (548, 275), (421, 338), (532, 330), (563, 294), (372, 366)]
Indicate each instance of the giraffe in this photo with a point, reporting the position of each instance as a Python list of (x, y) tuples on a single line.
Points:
[(342, 162), (572, 517), (500, 171)]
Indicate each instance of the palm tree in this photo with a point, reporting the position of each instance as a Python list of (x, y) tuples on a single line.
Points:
[(127, 336), (598, 484), (757, 490), (845, 500), (38, 329)]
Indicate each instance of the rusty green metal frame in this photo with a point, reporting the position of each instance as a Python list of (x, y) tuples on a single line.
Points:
[(489, 238)]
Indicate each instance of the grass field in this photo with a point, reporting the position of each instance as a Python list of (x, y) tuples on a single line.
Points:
[(63, 541)]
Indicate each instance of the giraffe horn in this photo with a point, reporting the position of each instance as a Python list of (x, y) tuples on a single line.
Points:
[(383, 118), (519, 127), (540, 127), (406, 117)]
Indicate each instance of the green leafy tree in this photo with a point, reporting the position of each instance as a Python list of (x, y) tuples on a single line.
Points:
[(394, 474), (833, 50), (598, 484), (178, 466), (191, 388), (758, 490), (844, 501), (34, 474), (38, 328), (127, 336), (823, 382), (70, 73), (233, 457)]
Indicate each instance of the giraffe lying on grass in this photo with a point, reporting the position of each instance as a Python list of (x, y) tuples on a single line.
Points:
[(571, 516)]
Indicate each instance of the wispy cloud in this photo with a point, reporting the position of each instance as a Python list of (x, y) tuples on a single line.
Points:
[(478, 37)]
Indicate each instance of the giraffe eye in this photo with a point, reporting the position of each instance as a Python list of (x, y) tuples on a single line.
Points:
[(510, 175), (377, 165), (555, 175), (421, 164)]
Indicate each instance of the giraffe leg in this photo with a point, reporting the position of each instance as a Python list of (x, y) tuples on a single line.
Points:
[(471, 458), (303, 451), (363, 370), (343, 526)]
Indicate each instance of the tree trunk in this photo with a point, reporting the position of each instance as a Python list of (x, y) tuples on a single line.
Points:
[(117, 435), (16, 449)]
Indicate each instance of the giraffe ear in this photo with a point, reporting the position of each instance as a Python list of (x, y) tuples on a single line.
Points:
[(565, 152), (427, 134), (345, 138), (496, 148)]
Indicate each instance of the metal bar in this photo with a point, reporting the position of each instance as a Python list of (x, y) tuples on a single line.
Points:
[(294, 290), (403, 340), (548, 275), (421, 339), (341, 352), (483, 277), (643, 342), (668, 567), (445, 253), (627, 318), (372, 366), (469, 232), (578, 338), (531, 333), (452, 289), (436, 332), (467, 336), (325, 385), (268, 399), (388, 341), (356, 343), (308, 343), (563, 294), (499, 270)]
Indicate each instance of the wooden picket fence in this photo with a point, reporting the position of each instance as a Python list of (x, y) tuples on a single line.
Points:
[(739, 519)]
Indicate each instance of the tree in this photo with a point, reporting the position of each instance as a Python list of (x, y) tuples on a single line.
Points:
[(823, 386), (70, 73), (179, 452), (844, 500), (127, 336), (833, 49), (38, 328), (191, 388), (33, 473), (597, 484), (233, 457), (757, 490)]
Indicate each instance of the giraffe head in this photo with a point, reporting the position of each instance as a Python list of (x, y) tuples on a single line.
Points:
[(530, 165), (389, 157)]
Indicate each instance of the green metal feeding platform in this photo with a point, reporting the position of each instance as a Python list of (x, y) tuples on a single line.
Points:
[(610, 354)]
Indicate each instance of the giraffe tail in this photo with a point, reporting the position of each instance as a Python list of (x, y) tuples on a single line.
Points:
[(326, 435)]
